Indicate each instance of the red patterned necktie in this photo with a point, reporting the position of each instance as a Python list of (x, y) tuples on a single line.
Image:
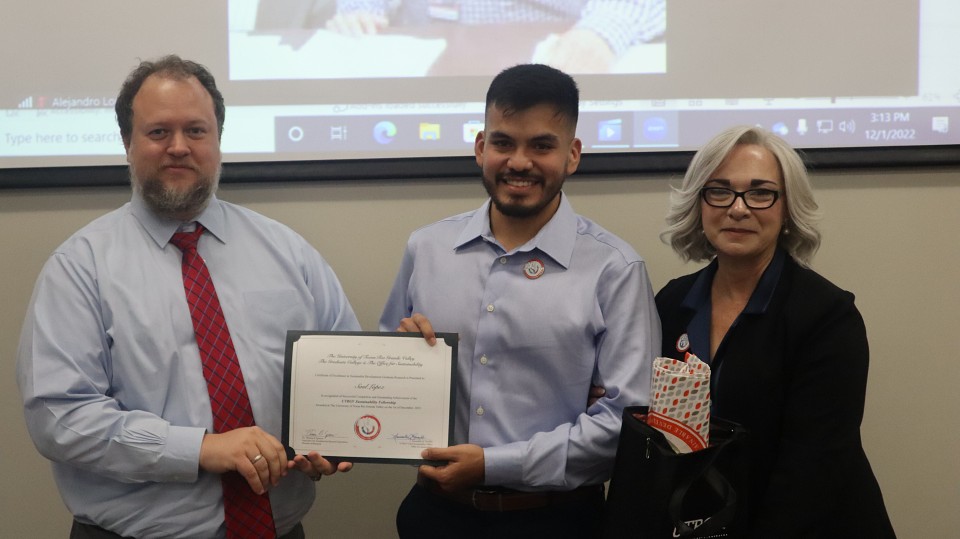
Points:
[(246, 514)]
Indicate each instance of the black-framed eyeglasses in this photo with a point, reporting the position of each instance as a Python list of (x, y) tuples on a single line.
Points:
[(755, 199)]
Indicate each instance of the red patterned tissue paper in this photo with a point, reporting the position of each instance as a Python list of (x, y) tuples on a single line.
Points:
[(681, 402)]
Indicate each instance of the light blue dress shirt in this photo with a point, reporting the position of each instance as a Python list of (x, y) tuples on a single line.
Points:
[(110, 373), (621, 23), (530, 347)]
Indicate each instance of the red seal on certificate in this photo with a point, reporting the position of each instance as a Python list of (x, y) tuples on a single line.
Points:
[(533, 269), (367, 427)]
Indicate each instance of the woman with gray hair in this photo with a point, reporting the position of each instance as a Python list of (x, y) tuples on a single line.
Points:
[(787, 348)]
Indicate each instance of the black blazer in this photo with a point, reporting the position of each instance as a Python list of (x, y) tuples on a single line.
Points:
[(795, 376)]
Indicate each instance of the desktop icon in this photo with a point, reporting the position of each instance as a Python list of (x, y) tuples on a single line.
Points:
[(655, 128), (429, 131), (471, 129), (295, 134), (941, 124), (781, 129), (610, 130), (384, 132), (338, 132)]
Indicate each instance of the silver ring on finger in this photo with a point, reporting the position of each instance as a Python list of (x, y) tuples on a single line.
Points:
[(256, 459)]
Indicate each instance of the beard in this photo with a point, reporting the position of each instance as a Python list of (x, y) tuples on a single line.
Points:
[(517, 210), (172, 203)]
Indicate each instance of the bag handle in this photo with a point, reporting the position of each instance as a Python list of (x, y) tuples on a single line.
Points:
[(719, 484)]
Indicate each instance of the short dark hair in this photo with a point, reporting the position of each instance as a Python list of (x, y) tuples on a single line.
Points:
[(171, 66), (525, 86)]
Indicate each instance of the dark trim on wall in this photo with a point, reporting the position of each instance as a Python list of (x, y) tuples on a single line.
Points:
[(640, 163)]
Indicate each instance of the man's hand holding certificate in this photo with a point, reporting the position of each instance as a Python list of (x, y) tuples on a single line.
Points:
[(368, 397)]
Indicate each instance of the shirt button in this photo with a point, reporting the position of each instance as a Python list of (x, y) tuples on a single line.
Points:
[(483, 360), (490, 308), (479, 410), (503, 260)]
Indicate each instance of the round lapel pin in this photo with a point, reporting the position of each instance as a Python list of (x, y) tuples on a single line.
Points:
[(533, 269)]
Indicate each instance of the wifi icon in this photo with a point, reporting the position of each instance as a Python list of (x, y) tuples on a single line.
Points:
[(28, 103)]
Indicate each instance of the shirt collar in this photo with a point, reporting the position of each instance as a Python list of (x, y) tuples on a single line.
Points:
[(556, 239), (161, 229), (768, 283), (699, 294)]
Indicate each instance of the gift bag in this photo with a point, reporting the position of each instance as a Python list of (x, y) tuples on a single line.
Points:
[(657, 493)]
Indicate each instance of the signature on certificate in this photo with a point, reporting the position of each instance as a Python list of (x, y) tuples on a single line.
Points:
[(315, 435), (411, 437)]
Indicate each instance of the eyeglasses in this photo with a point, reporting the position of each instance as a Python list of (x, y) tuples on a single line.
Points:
[(755, 199)]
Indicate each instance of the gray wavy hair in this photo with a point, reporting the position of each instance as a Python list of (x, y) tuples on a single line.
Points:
[(684, 232)]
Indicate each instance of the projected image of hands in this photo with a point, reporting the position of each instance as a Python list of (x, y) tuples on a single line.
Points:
[(328, 39)]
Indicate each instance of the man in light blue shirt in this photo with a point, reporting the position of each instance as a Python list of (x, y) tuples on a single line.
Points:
[(546, 303), (109, 367)]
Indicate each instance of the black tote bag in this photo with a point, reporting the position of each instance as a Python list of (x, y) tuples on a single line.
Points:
[(656, 493)]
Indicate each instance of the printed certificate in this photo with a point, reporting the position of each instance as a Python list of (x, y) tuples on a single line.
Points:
[(368, 397)]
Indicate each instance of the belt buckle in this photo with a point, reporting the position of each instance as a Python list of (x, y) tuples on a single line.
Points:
[(480, 491)]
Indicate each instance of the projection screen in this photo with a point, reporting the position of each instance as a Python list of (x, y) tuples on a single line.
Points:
[(312, 93)]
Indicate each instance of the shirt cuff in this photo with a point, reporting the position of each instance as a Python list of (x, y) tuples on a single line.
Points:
[(503, 465), (376, 7), (624, 23), (182, 453), (617, 35)]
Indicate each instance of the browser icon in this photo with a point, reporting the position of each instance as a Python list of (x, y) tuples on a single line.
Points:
[(384, 132)]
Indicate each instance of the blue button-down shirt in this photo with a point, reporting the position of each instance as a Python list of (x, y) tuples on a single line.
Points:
[(621, 23), (530, 347), (110, 374)]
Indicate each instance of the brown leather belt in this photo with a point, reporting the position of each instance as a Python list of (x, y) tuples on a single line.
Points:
[(504, 499)]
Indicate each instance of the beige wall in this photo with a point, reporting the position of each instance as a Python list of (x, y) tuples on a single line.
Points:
[(890, 236)]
